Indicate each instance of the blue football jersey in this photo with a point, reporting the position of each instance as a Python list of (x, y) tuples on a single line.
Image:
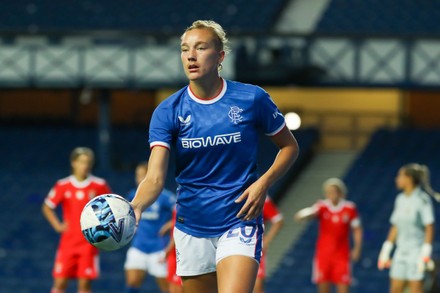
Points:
[(147, 238), (216, 144)]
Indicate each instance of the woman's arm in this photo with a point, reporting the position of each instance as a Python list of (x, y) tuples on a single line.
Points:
[(151, 187), (357, 243), (255, 194), (305, 214), (53, 219), (429, 233), (384, 260)]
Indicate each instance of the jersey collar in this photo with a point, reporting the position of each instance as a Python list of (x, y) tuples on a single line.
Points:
[(335, 208), (79, 184), (210, 101)]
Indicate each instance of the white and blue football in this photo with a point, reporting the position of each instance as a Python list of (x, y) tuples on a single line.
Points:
[(108, 222)]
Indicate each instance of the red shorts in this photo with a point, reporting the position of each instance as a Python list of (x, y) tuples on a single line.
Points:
[(262, 268), (331, 270), (76, 263), (172, 277)]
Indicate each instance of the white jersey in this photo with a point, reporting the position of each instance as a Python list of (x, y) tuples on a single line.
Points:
[(410, 215)]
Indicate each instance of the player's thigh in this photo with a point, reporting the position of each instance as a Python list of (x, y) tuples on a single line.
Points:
[(60, 283), (194, 256), (324, 287), (238, 255), (206, 283), (162, 283), (88, 265), (259, 285), (157, 265), (136, 260), (343, 288), (84, 285), (405, 267), (397, 285), (415, 286), (341, 272), (237, 273), (65, 266), (135, 277), (322, 269)]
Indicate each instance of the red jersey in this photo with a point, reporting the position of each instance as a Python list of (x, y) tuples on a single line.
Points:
[(335, 223), (73, 195), (271, 212)]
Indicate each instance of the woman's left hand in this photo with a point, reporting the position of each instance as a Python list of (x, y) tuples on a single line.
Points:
[(255, 195)]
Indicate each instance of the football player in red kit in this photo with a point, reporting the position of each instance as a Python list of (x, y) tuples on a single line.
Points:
[(337, 218), (75, 257)]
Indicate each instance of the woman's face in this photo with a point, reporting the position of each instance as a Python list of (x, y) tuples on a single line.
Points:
[(200, 54), (332, 193), (403, 180), (82, 166)]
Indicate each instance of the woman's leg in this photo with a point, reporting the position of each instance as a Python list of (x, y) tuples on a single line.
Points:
[(416, 286), (237, 273), (206, 283), (397, 286), (343, 288), (324, 287)]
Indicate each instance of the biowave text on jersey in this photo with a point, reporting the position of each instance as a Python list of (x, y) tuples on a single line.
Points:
[(211, 141)]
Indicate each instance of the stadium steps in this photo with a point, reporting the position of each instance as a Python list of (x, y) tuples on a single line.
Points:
[(305, 191), (301, 16)]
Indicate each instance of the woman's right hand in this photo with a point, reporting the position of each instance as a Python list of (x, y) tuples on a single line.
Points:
[(62, 227), (137, 213)]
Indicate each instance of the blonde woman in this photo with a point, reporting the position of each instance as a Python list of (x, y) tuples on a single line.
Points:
[(213, 126), (338, 218), (412, 230)]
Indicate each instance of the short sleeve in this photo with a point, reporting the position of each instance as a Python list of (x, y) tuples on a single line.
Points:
[(269, 118), (427, 211), (271, 212), (355, 220), (393, 218), (162, 126), (318, 208), (54, 197)]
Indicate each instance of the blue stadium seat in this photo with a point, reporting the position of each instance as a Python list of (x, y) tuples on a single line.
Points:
[(137, 15), (381, 16)]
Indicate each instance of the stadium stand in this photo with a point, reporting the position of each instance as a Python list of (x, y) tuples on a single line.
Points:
[(34, 157), (381, 17), (136, 15), (371, 186)]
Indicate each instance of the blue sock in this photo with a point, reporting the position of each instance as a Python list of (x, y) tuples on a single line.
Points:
[(132, 290)]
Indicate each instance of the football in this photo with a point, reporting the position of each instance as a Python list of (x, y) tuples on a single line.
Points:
[(108, 222)]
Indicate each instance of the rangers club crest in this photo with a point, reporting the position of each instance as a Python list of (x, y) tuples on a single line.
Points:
[(235, 114)]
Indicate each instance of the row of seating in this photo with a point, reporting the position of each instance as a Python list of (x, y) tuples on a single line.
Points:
[(136, 15), (381, 17)]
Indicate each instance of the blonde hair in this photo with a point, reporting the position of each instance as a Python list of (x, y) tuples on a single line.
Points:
[(336, 182), (420, 176), (216, 28), (78, 151)]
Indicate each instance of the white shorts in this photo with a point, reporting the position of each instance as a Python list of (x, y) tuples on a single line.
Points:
[(198, 256), (153, 263), (404, 266)]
